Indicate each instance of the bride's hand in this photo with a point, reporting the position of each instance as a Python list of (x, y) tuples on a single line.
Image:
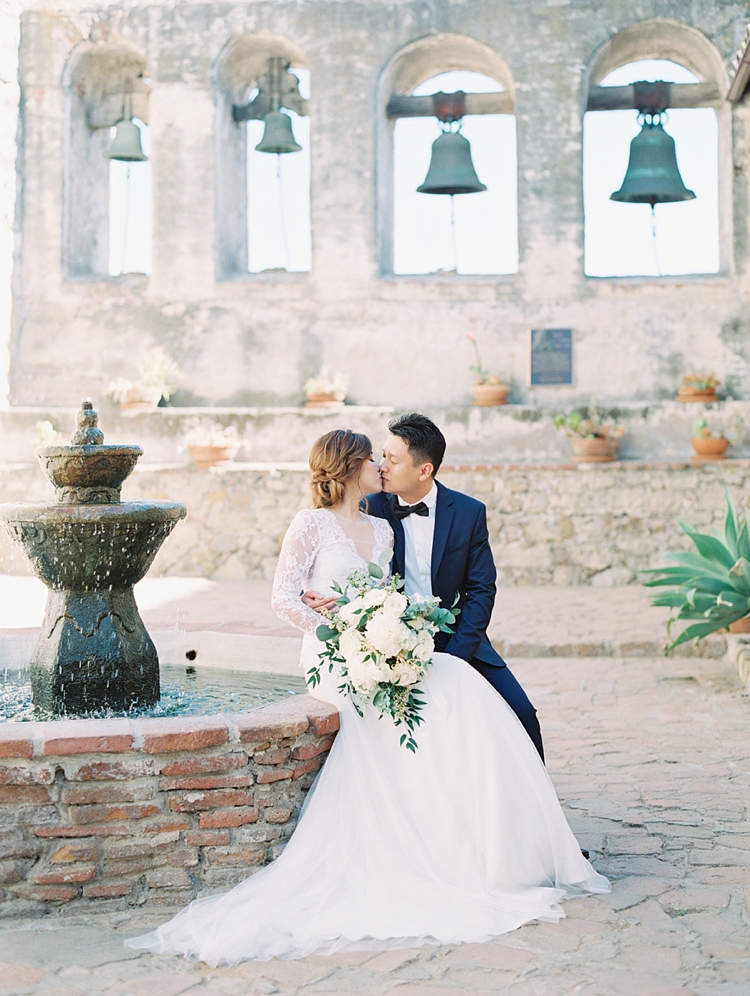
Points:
[(314, 600)]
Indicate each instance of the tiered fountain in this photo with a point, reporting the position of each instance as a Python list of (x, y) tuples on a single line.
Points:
[(90, 548)]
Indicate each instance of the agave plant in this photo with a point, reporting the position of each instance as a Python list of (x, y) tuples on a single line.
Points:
[(712, 585)]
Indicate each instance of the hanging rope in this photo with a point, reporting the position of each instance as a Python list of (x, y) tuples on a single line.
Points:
[(454, 245), (282, 215), (126, 221), (653, 241)]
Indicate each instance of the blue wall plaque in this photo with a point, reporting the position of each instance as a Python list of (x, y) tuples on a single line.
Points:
[(551, 356)]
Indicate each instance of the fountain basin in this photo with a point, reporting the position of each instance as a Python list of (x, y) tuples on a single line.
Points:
[(93, 651), (88, 473), (80, 547), (120, 812)]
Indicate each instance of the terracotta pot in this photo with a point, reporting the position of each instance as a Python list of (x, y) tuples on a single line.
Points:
[(329, 400), (691, 394), (490, 395), (740, 626), (709, 449), (140, 399), (212, 456), (596, 450), (134, 407)]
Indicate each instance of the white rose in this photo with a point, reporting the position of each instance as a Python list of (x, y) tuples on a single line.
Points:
[(350, 644), (423, 650), (350, 612), (396, 603), (360, 675), (386, 633), (374, 597), (404, 675)]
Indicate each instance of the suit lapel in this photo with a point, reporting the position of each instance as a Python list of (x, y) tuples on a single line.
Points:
[(443, 520), (399, 565)]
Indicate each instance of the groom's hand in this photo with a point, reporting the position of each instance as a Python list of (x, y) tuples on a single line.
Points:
[(314, 600)]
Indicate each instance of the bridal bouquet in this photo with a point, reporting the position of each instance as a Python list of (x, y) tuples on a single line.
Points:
[(383, 641)]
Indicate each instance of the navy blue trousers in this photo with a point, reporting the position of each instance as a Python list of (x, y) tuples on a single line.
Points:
[(503, 681)]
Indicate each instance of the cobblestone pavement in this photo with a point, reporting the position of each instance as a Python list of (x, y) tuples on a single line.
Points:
[(650, 757)]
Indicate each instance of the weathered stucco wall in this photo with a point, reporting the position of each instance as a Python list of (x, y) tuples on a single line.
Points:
[(254, 340), (549, 523)]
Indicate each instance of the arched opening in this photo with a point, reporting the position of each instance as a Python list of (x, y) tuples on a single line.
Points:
[(473, 233), (130, 210), (106, 202), (624, 239), (477, 233), (262, 198)]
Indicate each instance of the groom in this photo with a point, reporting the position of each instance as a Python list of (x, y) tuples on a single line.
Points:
[(442, 547)]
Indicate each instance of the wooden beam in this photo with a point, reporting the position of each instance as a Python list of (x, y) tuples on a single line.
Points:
[(617, 98), (741, 76), (476, 103)]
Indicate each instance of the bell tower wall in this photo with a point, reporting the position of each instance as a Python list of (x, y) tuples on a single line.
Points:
[(253, 339)]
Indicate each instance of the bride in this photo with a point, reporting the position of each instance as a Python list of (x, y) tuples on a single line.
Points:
[(462, 841)]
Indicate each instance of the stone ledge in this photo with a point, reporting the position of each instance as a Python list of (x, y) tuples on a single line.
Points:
[(614, 465), (292, 716)]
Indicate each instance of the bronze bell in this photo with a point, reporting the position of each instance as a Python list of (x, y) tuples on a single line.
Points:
[(451, 169), (278, 136), (652, 176), (126, 145)]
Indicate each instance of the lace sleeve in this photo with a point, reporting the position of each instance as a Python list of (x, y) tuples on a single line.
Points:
[(296, 560)]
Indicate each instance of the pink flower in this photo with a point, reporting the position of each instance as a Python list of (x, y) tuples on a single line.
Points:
[(470, 336)]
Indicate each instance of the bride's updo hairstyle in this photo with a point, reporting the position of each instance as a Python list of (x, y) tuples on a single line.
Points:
[(335, 460)]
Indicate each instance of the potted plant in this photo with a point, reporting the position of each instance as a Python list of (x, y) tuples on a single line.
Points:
[(325, 390), (711, 585), (210, 444), (709, 444), (713, 433), (488, 390), (156, 369), (698, 387), (592, 439)]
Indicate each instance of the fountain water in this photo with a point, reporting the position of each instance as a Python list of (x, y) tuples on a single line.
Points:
[(90, 548)]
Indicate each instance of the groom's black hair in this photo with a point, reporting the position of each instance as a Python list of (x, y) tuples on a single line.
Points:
[(425, 441)]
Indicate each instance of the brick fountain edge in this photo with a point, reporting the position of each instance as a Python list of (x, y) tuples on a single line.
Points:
[(119, 812)]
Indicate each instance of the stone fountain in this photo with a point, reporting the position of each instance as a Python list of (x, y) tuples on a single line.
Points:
[(90, 548)]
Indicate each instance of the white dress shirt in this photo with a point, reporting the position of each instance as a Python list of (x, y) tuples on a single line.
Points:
[(419, 531)]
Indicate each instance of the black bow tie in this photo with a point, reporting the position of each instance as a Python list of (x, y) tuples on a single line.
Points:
[(401, 511)]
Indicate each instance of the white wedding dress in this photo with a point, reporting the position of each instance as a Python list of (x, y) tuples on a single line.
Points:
[(462, 841)]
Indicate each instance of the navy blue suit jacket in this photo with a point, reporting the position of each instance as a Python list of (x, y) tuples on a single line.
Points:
[(461, 562)]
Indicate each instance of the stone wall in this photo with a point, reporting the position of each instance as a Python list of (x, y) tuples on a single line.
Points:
[(121, 811), (254, 339), (512, 433), (555, 523)]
